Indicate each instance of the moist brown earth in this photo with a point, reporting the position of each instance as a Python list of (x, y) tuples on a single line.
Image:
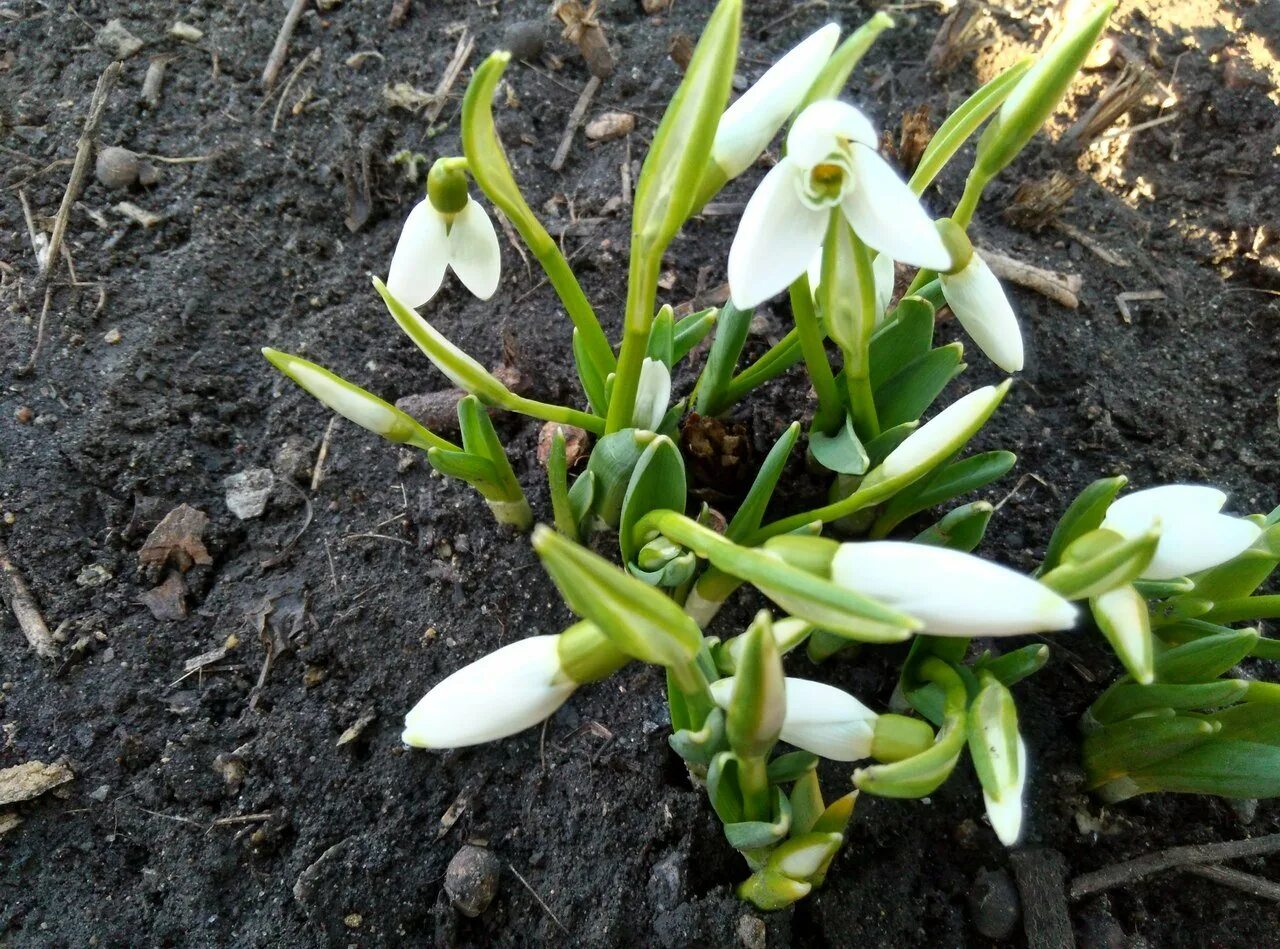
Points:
[(207, 810)]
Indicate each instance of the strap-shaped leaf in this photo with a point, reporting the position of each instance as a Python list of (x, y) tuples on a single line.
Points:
[(908, 394), (731, 335), (752, 835), (1127, 699), (1228, 768), (907, 334), (593, 383), (1123, 618), (1099, 562), (841, 451), (751, 512), (1204, 659), (1085, 514), (662, 337), (946, 484), (1138, 743), (657, 484), (960, 529), (558, 486), (691, 330)]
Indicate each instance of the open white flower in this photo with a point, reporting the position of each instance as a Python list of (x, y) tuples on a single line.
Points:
[(747, 126), (979, 303), (820, 718), (1194, 534), (952, 593), (831, 162), (500, 694), (433, 241)]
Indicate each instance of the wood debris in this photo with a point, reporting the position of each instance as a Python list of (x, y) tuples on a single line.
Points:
[(139, 215), (960, 34), (275, 62), (1136, 296), (610, 125), (1185, 856), (168, 601), (575, 119), (1134, 84), (399, 13), (25, 609), (8, 821), (402, 95), (914, 137), (576, 443), (153, 81), (186, 32), (26, 781), (177, 540), (461, 53), (582, 29), (1037, 204), (1059, 287), (356, 729)]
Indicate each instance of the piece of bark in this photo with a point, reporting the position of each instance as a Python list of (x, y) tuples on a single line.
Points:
[(29, 780), (177, 539), (583, 30), (168, 601), (25, 609), (1042, 884)]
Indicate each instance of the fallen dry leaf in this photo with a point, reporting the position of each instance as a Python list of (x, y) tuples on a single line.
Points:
[(177, 539)]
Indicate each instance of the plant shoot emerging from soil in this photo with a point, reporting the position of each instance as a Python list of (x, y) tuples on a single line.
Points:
[(1163, 572)]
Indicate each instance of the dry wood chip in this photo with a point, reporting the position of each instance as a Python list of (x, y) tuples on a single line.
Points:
[(205, 659), (610, 125), (26, 781), (401, 95), (177, 539), (357, 727), (583, 30), (8, 821), (139, 215)]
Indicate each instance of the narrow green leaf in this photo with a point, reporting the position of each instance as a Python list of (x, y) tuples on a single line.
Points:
[(691, 330), (909, 393), (753, 720), (662, 337), (657, 484), (960, 529), (750, 513), (792, 766), (1099, 562), (476, 471), (946, 484), (1084, 515), (731, 335), (1127, 699), (1138, 743), (993, 738), (1123, 618), (905, 336), (842, 451), (806, 797), (1204, 659), (593, 383), (558, 486), (1227, 768), (1013, 666)]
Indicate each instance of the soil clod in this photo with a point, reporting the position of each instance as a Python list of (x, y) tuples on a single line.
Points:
[(993, 904), (472, 880)]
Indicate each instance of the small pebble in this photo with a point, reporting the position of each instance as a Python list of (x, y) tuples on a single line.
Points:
[(112, 336), (116, 167), (116, 39), (525, 39), (472, 880), (752, 932), (148, 174), (100, 793), (24, 415), (993, 904), (352, 920), (185, 32)]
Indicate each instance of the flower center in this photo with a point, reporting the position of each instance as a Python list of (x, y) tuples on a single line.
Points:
[(825, 183)]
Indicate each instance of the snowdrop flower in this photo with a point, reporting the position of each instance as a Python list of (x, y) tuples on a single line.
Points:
[(747, 126), (820, 718), (1005, 812), (978, 301), (652, 395), (942, 435), (446, 229), (831, 162), (498, 695), (1194, 535), (952, 593)]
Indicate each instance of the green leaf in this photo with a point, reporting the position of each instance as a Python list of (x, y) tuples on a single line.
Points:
[(613, 461), (822, 645), (478, 472), (1252, 721), (558, 485), (657, 484), (1083, 516), (662, 337), (905, 336), (1123, 618), (731, 335), (691, 330), (723, 789), (905, 396), (806, 797), (751, 835), (593, 383), (792, 766), (960, 529), (681, 147), (1204, 659), (841, 452), (1013, 666), (880, 447), (769, 890), (758, 705), (641, 621), (581, 498), (835, 74), (947, 483), (1127, 699), (750, 513), (962, 123), (1239, 769), (993, 739), (1242, 575), (1138, 743), (700, 746), (1099, 562)]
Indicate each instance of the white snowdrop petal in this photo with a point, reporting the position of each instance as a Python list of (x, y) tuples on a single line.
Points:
[(367, 413), (882, 267), (952, 593), (776, 238), (1197, 541), (820, 718), (473, 250), (933, 440), (1135, 513), (500, 694), (888, 216), (979, 303), (653, 394), (420, 258), (827, 127), (749, 123), (1005, 813)]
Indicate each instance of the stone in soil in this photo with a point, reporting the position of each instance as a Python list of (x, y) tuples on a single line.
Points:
[(472, 880)]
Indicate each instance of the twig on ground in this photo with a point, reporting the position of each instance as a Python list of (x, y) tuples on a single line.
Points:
[(1135, 296), (461, 53), (84, 148), (153, 81), (317, 472), (311, 57), (275, 62), (39, 243), (1042, 877), (575, 119), (1190, 855), (1092, 244), (23, 603), (545, 908), (278, 558), (1244, 882), (1061, 288), (30, 364)]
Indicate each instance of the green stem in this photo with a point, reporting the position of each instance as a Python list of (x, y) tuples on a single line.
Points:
[(815, 356), (857, 368), (753, 780), (575, 301), (555, 413), (695, 690), (642, 291), (858, 501), (973, 187), (1245, 608)]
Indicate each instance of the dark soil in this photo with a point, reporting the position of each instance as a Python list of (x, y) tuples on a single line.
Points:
[(400, 577)]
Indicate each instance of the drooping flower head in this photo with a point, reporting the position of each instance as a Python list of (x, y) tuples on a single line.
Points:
[(446, 229), (831, 164), (979, 302)]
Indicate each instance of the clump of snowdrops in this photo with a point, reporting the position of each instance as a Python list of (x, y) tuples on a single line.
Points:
[(1162, 571)]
